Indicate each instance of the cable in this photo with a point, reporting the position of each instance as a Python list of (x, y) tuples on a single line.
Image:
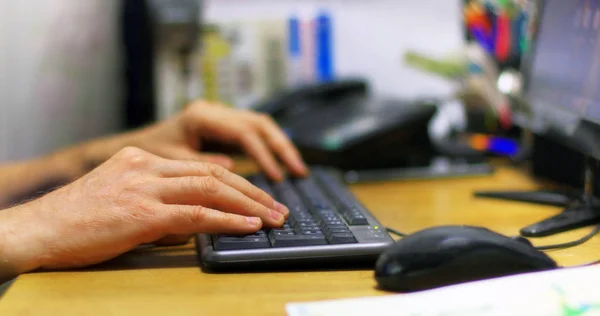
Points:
[(585, 265), (395, 232), (571, 243)]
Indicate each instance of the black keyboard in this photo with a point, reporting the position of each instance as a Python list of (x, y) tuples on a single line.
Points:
[(327, 225)]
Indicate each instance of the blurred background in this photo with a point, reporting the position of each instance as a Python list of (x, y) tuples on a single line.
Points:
[(77, 69)]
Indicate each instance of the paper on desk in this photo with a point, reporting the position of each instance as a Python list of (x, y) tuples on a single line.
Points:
[(566, 292)]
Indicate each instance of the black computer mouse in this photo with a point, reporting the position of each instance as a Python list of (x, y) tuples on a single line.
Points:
[(448, 255)]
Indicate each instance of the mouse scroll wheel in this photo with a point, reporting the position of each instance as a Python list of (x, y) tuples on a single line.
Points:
[(522, 240)]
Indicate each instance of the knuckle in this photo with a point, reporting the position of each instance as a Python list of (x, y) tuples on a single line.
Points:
[(209, 185), (129, 151), (134, 158), (217, 171), (197, 214)]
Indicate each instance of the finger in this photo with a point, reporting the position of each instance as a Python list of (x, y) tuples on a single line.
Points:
[(281, 144), (197, 169), (211, 124), (174, 240), (192, 219), (258, 150), (180, 153), (210, 192)]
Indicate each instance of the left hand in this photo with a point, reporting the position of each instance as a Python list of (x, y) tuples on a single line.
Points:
[(180, 138)]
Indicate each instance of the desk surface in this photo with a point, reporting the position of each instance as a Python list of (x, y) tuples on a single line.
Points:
[(168, 281)]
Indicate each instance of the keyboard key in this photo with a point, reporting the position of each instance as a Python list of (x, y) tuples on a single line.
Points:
[(311, 232), (260, 233), (355, 219), (282, 233), (287, 195), (306, 223), (241, 242), (342, 238), (338, 231), (344, 201), (299, 241)]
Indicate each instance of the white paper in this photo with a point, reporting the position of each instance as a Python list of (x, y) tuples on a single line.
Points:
[(565, 292)]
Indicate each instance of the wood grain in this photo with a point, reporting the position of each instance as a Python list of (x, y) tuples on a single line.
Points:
[(167, 280)]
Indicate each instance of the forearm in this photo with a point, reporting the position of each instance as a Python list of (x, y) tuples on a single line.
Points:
[(18, 180), (20, 246)]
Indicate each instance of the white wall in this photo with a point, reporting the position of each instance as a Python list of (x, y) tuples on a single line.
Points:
[(59, 74), (371, 35)]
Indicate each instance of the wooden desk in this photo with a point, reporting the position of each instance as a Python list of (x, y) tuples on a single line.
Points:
[(168, 281)]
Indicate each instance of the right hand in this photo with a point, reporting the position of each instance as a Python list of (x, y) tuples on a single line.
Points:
[(132, 199)]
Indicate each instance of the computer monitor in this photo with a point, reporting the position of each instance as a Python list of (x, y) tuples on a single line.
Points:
[(561, 98)]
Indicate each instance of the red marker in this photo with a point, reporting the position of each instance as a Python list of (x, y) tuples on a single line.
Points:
[(503, 39)]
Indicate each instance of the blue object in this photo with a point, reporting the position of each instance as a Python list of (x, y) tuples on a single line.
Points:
[(489, 7), (294, 47), (324, 48), (503, 146), (482, 39)]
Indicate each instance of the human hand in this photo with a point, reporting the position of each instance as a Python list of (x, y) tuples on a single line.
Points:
[(256, 133), (181, 138), (134, 198)]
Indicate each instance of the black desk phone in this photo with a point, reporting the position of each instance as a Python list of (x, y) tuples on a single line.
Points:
[(341, 124)]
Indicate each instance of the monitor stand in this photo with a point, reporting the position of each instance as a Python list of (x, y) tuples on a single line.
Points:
[(581, 211), (541, 197)]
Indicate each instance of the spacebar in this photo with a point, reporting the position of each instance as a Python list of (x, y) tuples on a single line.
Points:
[(299, 241), (240, 243)]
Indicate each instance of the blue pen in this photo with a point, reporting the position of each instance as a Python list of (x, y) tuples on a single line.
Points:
[(482, 39), (491, 14), (294, 51), (324, 48)]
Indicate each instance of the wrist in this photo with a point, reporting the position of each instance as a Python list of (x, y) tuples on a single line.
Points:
[(20, 249), (69, 163)]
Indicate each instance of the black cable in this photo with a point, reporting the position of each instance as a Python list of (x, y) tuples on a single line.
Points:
[(589, 264), (571, 243), (395, 232)]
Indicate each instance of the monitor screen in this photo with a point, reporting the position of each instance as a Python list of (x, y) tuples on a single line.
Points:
[(565, 70), (562, 75)]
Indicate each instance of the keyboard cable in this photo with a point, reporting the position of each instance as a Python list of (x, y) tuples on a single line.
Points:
[(395, 232)]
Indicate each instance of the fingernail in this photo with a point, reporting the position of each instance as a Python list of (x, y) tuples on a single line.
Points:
[(281, 208), (276, 215), (303, 168), (254, 221)]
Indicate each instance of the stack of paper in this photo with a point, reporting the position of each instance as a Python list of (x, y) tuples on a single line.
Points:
[(565, 292)]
